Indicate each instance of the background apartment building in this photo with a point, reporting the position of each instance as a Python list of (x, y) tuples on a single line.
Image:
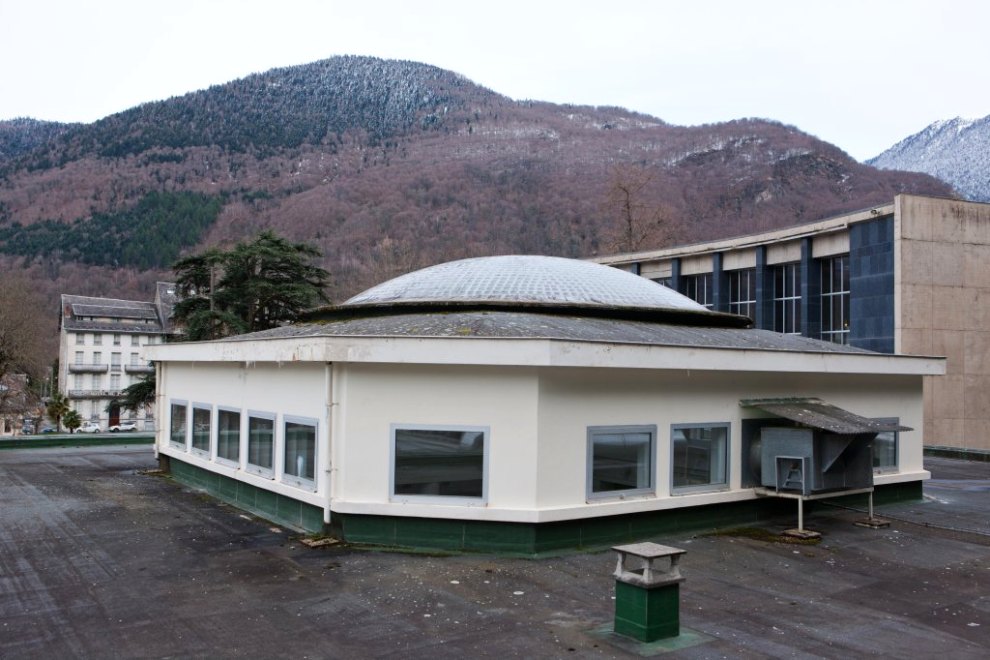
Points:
[(101, 344), (909, 277)]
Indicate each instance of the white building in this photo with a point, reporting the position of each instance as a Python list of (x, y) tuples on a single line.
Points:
[(101, 344), (519, 403)]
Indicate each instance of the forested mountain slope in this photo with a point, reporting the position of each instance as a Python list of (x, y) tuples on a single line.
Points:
[(388, 166)]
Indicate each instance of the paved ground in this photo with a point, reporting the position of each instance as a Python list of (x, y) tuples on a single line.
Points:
[(99, 561)]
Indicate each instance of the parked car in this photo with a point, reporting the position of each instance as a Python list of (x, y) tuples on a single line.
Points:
[(89, 427), (48, 429), (123, 426)]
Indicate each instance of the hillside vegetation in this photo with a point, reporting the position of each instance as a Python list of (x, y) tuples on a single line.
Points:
[(387, 166)]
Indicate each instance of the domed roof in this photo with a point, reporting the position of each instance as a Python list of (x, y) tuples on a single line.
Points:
[(527, 281)]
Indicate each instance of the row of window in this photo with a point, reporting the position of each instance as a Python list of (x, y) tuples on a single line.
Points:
[(115, 358), (96, 381), (786, 296), (272, 446), (451, 462), (96, 339)]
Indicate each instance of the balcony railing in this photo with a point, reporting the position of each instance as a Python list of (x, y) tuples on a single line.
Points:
[(88, 368), (93, 394), (139, 368)]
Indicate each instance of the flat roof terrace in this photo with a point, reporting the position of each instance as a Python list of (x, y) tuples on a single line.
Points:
[(100, 559)]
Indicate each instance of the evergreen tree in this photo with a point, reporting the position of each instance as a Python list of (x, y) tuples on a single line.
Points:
[(137, 396), (72, 421), (256, 285)]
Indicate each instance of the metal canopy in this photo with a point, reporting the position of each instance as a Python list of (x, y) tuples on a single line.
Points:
[(820, 415)]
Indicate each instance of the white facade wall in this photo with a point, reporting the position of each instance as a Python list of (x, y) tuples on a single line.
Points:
[(537, 419), (296, 390)]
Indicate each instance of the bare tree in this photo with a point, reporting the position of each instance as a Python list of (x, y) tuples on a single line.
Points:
[(641, 220), (23, 345)]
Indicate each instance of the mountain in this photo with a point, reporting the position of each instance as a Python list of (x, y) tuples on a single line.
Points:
[(956, 151), (21, 136), (387, 166)]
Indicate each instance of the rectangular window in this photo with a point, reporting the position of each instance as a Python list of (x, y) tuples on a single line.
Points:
[(177, 424), (664, 281), (115, 362), (885, 448), (699, 456), (229, 435), (134, 359), (447, 462), (97, 339), (79, 357), (135, 340), (97, 357), (261, 443), (114, 381), (202, 418), (300, 452), (95, 381), (620, 460), (835, 299), (116, 339), (742, 292), (787, 299), (77, 381), (699, 288)]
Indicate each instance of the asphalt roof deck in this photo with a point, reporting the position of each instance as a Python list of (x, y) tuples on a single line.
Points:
[(100, 560)]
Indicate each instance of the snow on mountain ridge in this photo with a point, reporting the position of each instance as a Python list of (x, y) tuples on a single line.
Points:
[(954, 150)]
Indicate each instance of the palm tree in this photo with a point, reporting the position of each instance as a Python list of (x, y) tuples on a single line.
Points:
[(56, 409)]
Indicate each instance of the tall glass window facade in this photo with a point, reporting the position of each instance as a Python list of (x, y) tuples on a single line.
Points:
[(835, 299), (742, 292), (787, 298), (699, 288)]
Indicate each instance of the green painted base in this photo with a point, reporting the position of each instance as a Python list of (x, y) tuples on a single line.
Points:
[(76, 440), (445, 535), (687, 639), (647, 615), (271, 506)]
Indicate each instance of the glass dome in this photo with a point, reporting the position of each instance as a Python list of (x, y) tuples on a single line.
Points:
[(526, 280)]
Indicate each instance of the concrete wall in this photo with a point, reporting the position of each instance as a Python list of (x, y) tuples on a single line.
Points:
[(295, 389), (943, 308), (573, 399), (537, 420)]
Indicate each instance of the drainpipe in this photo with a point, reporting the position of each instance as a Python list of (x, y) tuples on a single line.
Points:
[(328, 377)]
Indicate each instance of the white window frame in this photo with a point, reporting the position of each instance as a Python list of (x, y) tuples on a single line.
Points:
[(240, 436), (651, 469), (726, 462), (291, 479), (208, 407), (171, 405), (253, 468), (440, 499)]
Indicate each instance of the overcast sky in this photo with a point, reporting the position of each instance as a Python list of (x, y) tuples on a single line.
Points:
[(860, 74)]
